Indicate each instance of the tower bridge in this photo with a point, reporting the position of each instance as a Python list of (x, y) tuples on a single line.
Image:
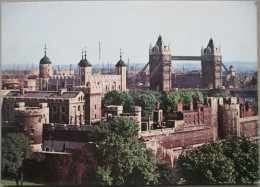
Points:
[(160, 66)]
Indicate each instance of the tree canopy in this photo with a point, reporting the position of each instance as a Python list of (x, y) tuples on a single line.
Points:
[(234, 161), (167, 174), (121, 157), (170, 100), (147, 100), (15, 150), (220, 95), (79, 168)]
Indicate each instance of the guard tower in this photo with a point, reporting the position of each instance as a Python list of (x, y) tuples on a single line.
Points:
[(84, 70), (45, 72), (160, 66), (211, 63)]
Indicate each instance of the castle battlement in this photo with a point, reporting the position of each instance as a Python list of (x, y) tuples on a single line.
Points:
[(68, 127)]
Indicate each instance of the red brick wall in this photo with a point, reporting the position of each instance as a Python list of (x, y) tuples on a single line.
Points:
[(249, 129), (186, 138)]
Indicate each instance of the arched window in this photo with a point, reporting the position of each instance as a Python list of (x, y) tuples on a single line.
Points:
[(47, 149)]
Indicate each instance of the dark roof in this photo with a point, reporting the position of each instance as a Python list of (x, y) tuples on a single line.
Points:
[(120, 63), (211, 44), (159, 41), (43, 94), (84, 63), (45, 60)]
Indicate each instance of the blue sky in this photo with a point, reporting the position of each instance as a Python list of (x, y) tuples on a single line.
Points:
[(67, 27)]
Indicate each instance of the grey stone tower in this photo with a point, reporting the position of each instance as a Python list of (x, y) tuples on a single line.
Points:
[(160, 66), (211, 64)]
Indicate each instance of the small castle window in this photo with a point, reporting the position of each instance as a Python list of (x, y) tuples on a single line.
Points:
[(79, 108), (79, 98), (83, 107), (39, 120), (63, 109), (95, 107), (32, 130), (47, 149), (106, 87), (95, 116), (119, 86)]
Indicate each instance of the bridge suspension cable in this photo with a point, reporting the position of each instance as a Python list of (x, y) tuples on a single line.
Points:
[(138, 76), (236, 79)]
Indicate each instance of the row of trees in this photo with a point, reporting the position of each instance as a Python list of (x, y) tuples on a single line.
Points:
[(233, 161), (120, 159), (147, 99)]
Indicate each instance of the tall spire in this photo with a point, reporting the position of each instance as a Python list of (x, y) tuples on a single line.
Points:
[(85, 53), (121, 54), (82, 54), (45, 49)]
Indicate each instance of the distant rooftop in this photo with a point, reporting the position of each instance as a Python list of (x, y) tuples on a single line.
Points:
[(43, 94)]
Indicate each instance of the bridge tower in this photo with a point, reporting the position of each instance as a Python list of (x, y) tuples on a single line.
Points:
[(160, 66), (211, 63)]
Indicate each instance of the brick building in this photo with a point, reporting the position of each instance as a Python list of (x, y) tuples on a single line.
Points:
[(64, 107), (190, 79)]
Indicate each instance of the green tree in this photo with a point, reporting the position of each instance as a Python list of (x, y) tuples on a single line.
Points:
[(121, 156), (245, 155), (167, 174), (170, 101), (110, 97), (234, 161), (126, 100), (15, 150), (147, 102), (220, 95)]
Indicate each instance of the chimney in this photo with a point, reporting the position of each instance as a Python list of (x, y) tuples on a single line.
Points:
[(22, 91), (191, 105), (62, 90), (240, 101), (179, 107)]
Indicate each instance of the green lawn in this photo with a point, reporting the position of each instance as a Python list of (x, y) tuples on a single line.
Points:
[(13, 183)]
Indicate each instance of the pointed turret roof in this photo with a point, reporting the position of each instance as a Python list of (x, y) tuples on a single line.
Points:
[(211, 44), (84, 62), (45, 59), (120, 63), (159, 42)]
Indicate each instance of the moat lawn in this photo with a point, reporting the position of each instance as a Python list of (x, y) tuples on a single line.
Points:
[(6, 182)]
